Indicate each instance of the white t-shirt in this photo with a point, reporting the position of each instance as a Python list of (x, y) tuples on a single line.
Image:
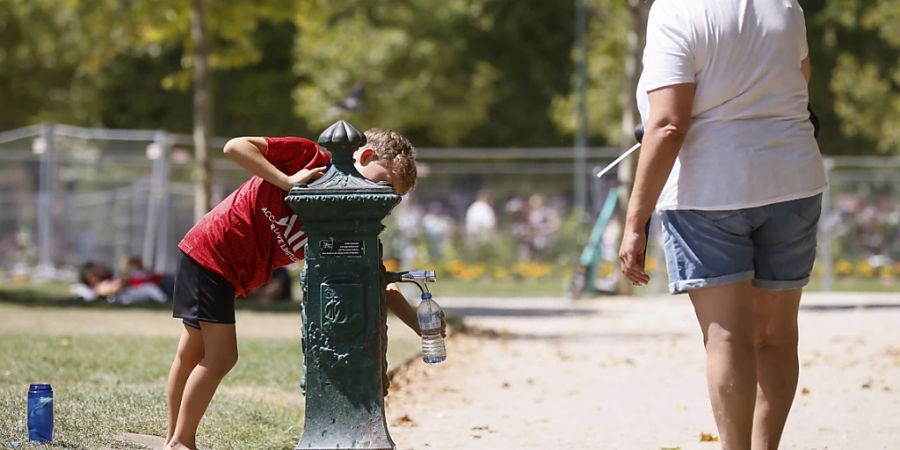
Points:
[(750, 142)]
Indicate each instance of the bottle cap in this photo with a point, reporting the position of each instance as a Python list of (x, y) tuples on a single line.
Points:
[(426, 296), (40, 387)]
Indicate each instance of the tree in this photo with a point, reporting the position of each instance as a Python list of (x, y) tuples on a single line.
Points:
[(83, 40), (202, 108), (855, 88), (609, 28), (478, 72)]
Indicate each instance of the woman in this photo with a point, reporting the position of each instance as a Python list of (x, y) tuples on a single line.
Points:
[(730, 161)]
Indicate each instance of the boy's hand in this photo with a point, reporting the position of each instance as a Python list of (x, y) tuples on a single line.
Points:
[(443, 327), (305, 176)]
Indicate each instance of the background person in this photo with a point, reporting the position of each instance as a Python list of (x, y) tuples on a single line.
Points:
[(730, 159), (133, 285), (481, 221)]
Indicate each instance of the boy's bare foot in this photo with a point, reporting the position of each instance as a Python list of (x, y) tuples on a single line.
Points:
[(177, 446)]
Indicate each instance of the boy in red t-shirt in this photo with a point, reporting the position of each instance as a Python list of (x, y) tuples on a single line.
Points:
[(235, 247)]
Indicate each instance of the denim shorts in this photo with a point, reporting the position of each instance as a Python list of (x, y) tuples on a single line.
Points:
[(772, 245)]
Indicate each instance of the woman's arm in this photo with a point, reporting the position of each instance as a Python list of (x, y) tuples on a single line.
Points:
[(805, 68), (249, 153), (668, 124)]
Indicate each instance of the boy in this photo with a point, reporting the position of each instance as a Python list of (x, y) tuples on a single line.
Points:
[(233, 249)]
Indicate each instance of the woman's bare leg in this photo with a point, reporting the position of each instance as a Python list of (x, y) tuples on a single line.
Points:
[(725, 314), (777, 367)]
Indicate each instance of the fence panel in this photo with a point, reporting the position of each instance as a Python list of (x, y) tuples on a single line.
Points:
[(71, 195)]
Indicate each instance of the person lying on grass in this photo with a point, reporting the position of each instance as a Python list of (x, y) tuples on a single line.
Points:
[(235, 247)]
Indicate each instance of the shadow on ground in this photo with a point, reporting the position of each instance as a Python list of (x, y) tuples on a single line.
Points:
[(502, 311), (570, 337), (844, 307)]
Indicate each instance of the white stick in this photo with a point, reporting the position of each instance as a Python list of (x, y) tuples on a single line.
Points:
[(619, 159)]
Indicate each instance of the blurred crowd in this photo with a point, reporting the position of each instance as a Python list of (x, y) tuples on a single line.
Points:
[(447, 229), (131, 284), (481, 226), (863, 228)]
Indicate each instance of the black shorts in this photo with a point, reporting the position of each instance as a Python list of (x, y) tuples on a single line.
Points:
[(201, 295)]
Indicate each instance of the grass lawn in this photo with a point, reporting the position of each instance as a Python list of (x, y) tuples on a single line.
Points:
[(108, 368)]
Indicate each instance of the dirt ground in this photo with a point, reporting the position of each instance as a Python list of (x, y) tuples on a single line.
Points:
[(628, 373)]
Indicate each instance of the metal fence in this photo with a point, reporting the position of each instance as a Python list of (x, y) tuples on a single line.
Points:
[(70, 195)]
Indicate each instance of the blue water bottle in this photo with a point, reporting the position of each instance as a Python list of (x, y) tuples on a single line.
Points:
[(40, 413)]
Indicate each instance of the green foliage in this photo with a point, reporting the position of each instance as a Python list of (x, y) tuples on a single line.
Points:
[(140, 91), (608, 26), (456, 72), (128, 64), (855, 88), (447, 73)]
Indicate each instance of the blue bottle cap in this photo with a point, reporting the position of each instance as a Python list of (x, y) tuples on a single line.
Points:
[(40, 387), (426, 296)]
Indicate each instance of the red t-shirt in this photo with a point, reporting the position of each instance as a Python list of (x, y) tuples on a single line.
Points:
[(253, 231)]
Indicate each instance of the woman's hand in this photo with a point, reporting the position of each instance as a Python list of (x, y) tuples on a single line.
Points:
[(305, 176), (631, 256)]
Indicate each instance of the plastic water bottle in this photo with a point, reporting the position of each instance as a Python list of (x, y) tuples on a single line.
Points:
[(429, 312), (40, 413)]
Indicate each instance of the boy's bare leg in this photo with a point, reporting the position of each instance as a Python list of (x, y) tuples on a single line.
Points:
[(725, 314), (188, 355), (777, 367), (220, 355)]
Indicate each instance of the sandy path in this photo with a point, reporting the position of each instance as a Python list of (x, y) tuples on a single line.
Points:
[(629, 374)]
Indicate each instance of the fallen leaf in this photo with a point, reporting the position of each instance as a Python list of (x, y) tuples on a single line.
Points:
[(481, 428), (505, 385), (805, 391), (405, 420), (867, 385), (887, 389), (708, 437)]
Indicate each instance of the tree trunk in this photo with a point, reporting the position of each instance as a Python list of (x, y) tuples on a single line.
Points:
[(202, 109), (637, 37)]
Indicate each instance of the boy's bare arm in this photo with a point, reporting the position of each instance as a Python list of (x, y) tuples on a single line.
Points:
[(398, 305), (396, 302), (249, 153)]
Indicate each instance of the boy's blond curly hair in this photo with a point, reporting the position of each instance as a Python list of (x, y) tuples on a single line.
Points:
[(395, 150)]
